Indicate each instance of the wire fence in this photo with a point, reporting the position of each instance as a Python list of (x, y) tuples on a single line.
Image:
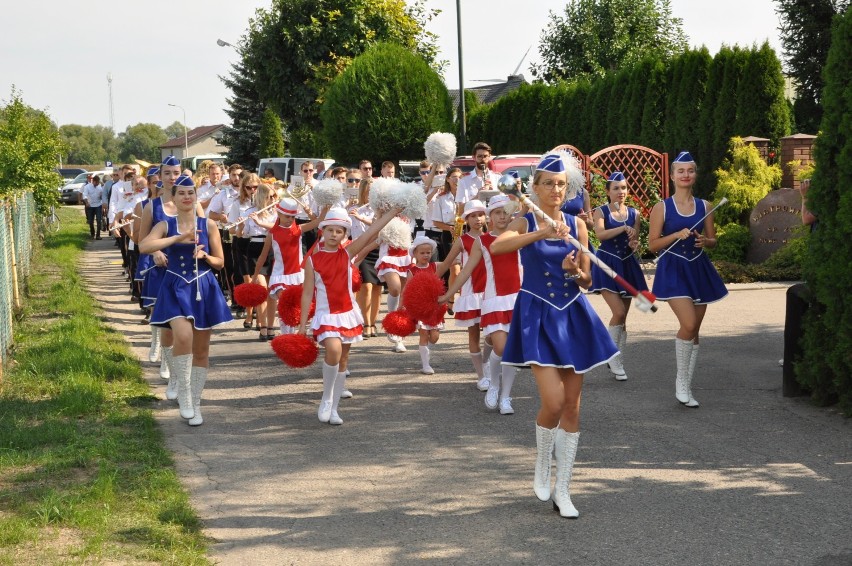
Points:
[(17, 232)]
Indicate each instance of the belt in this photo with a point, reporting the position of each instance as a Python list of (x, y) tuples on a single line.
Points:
[(258, 239)]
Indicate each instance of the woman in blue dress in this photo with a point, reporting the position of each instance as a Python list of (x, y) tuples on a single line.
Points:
[(554, 330), (190, 301), (685, 277), (617, 228)]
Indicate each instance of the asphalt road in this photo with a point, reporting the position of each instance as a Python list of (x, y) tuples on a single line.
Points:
[(421, 471)]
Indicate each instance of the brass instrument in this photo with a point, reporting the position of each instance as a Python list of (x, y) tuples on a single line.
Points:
[(458, 228)]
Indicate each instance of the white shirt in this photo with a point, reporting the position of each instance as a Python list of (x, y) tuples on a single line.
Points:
[(223, 201), (116, 197), (251, 228), (359, 227), (206, 192), (444, 209), (471, 184), (93, 195), (238, 210)]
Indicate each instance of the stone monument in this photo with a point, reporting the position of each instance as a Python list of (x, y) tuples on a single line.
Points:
[(774, 222)]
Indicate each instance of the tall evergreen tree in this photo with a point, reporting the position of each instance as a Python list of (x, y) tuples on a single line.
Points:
[(246, 113), (762, 109), (706, 119), (806, 37), (653, 110), (271, 135), (690, 97), (725, 110)]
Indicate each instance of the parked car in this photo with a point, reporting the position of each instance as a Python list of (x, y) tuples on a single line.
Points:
[(524, 164), (68, 174), (286, 167), (72, 193)]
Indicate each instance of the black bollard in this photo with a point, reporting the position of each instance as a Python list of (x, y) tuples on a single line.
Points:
[(797, 306)]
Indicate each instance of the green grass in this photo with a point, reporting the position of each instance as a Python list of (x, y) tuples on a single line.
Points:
[(84, 473)]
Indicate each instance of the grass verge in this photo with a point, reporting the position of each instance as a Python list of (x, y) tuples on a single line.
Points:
[(84, 473)]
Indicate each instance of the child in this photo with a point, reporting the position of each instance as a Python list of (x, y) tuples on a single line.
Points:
[(337, 322), (392, 268), (503, 281), (422, 249), (617, 228)]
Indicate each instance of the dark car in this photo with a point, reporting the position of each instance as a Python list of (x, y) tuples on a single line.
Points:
[(68, 174)]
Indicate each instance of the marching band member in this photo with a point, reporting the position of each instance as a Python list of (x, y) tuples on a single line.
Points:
[(255, 229), (247, 187)]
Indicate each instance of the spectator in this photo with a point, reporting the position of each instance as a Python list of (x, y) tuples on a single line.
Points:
[(93, 198), (366, 168)]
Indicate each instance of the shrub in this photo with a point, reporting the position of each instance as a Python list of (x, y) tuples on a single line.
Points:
[(754, 272), (743, 179), (733, 240)]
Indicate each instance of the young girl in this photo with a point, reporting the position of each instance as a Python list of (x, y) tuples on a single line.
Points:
[(392, 269), (370, 294), (468, 306), (285, 240), (255, 230), (503, 281), (617, 228), (422, 249), (191, 243), (337, 322), (685, 276)]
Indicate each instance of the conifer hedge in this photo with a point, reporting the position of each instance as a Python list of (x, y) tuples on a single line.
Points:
[(826, 368), (692, 102)]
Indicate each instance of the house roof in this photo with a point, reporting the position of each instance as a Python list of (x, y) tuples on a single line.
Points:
[(192, 136), (493, 92)]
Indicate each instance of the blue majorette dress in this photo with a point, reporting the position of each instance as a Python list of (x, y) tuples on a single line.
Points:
[(616, 253), (153, 277), (178, 291), (552, 323), (685, 271), (145, 260)]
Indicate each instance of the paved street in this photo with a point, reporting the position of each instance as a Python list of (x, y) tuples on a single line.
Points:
[(422, 471)]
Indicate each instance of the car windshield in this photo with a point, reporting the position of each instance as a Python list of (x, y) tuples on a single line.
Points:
[(81, 178)]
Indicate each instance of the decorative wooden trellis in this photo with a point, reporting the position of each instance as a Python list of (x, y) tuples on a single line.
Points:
[(633, 161)]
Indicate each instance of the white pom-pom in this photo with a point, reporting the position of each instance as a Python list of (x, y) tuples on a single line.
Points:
[(327, 192), (573, 172), (440, 148), (409, 198), (379, 191), (397, 234)]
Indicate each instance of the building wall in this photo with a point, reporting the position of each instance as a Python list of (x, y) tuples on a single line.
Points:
[(199, 147)]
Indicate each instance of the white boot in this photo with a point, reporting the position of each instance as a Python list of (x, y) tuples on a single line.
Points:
[(486, 361), (171, 388), (197, 381), (336, 392), (616, 365), (492, 395), (566, 451), (424, 360), (544, 438), (693, 359), (165, 359), (683, 352), (329, 375), (182, 371), (154, 350)]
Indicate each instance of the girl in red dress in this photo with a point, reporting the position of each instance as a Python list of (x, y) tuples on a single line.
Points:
[(422, 249)]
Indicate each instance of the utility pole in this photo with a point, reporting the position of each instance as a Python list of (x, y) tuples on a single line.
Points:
[(462, 116), (111, 109)]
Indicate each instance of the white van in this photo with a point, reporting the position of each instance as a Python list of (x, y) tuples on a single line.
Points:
[(286, 167)]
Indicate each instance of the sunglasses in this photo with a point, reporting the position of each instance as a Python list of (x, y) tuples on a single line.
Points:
[(367, 168), (352, 180), (307, 170), (252, 187), (424, 171)]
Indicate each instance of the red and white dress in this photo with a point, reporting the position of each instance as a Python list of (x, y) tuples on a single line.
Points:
[(469, 304), (287, 254), (392, 260), (503, 281), (337, 314), (432, 267)]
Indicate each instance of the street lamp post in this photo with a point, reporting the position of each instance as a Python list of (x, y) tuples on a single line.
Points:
[(462, 117), (185, 136)]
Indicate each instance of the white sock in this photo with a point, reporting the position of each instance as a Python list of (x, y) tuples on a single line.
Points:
[(507, 381), (337, 390), (329, 375), (393, 303), (476, 358), (494, 363), (424, 356)]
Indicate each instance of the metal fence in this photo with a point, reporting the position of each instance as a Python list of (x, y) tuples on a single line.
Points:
[(17, 232)]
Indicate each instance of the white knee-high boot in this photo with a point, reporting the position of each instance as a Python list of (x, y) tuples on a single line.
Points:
[(566, 452), (165, 360), (171, 388), (493, 393), (424, 361), (616, 364), (196, 382), (182, 372), (544, 438), (683, 353), (693, 359), (336, 392), (329, 375), (154, 350), (486, 359)]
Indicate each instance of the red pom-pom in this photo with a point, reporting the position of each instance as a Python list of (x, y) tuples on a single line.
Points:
[(420, 297), (356, 279), (399, 323), (295, 350), (290, 305), (250, 294)]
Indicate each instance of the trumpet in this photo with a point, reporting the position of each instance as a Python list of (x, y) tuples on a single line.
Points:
[(458, 228)]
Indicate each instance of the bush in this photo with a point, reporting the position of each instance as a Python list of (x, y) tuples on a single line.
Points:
[(754, 272), (732, 243), (744, 178)]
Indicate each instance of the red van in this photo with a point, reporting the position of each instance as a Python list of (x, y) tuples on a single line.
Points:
[(524, 164)]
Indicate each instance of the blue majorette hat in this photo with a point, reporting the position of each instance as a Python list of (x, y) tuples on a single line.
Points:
[(616, 176), (170, 161), (153, 170), (684, 157), (159, 184), (514, 174), (552, 163), (184, 181)]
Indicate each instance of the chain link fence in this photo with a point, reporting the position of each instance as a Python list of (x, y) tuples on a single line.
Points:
[(17, 232)]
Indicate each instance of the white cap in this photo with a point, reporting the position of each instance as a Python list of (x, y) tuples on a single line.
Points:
[(419, 241), (498, 201), (336, 216), (472, 206)]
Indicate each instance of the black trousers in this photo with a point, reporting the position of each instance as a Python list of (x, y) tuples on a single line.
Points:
[(94, 217)]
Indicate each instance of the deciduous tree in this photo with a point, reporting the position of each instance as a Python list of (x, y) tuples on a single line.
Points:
[(142, 141)]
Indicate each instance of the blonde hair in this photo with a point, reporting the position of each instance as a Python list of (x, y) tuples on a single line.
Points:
[(364, 190), (265, 193)]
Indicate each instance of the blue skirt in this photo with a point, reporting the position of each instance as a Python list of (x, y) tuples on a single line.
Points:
[(541, 334), (145, 261), (628, 268), (151, 285), (176, 299), (697, 280)]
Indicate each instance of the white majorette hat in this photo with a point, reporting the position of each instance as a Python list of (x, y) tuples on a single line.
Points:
[(684, 157), (336, 216), (287, 206), (498, 201), (472, 206), (616, 176), (419, 241)]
